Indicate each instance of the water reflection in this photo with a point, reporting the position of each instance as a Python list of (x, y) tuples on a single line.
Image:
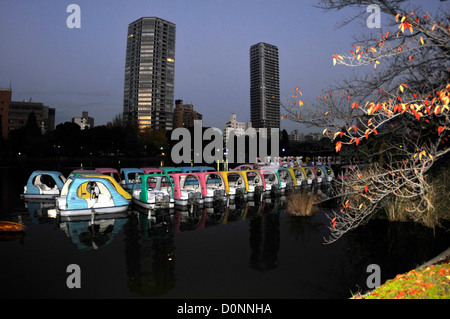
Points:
[(88, 235), (160, 253), (150, 252), (265, 237)]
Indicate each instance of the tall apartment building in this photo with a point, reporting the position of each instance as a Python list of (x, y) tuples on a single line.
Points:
[(184, 115), (150, 74), (264, 86), (5, 100)]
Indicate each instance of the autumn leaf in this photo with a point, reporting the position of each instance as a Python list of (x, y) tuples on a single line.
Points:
[(440, 129), (357, 141), (402, 86), (338, 146), (366, 189)]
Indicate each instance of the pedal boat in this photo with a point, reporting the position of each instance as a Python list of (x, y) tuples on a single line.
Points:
[(277, 179), (235, 185), (87, 195), (43, 185), (254, 181), (130, 180), (187, 189), (157, 192), (213, 187)]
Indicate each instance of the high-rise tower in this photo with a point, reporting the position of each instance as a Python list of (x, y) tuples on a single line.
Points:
[(264, 86), (150, 74)]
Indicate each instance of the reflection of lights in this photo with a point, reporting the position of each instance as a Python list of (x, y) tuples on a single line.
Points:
[(51, 213)]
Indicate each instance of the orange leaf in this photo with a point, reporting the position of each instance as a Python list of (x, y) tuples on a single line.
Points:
[(440, 129), (357, 141), (366, 189), (338, 146)]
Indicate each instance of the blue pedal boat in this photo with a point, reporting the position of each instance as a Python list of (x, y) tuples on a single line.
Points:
[(43, 185), (86, 195)]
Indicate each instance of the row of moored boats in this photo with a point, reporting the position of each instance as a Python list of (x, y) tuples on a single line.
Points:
[(107, 190)]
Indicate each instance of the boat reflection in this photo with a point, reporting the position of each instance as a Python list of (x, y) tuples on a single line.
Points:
[(87, 235), (149, 236)]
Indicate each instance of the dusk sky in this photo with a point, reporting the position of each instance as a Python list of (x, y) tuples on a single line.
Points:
[(75, 70)]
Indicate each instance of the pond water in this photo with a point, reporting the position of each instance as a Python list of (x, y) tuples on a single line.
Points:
[(249, 250)]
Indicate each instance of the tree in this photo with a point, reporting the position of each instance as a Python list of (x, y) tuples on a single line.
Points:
[(401, 107)]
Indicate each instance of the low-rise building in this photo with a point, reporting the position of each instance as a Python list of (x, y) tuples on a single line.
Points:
[(19, 111), (85, 122)]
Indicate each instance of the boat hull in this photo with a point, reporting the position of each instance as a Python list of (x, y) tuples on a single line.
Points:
[(95, 211), (42, 197), (153, 205)]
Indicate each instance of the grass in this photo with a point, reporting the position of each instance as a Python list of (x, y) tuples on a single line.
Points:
[(432, 282), (302, 203)]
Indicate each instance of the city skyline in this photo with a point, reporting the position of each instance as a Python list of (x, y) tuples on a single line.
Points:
[(75, 70)]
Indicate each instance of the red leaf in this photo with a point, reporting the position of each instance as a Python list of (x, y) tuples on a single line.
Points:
[(357, 141), (440, 129), (366, 189), (338, 146), (417, 115)]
